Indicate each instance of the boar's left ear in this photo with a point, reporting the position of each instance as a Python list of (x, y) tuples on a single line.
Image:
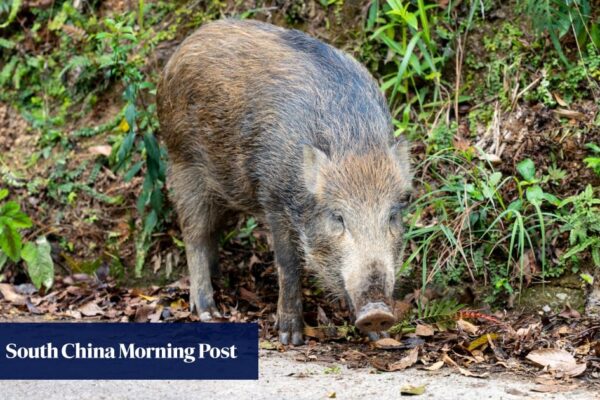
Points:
[(313, 160), (400, 152)]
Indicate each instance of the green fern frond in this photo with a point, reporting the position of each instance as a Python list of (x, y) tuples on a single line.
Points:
[(439, 310)]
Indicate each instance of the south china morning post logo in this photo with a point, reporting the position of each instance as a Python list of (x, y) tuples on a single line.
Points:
[(131, 351), (128, 351)]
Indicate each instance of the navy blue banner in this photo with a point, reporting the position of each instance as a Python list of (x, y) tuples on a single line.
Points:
[(128, 351)]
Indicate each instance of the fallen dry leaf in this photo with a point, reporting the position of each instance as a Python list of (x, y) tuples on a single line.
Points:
[(148, 298), (9, 294), (462, 370), (466, 372), (446, 358), (155, 316), (564, 330), (142, 313), (559, 100), (557, 360), (552, 358), (410, 390), (266, 345), (90, 309), (178, 304), (405, 362), (387, 344), (250, 297), (322, 332), (571, 114), (435, 366), (482, 340), (424, 330), (491, 158), (103, 150), (467, 326)]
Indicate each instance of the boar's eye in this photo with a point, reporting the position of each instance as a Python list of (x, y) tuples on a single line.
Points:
[(337, 221), (396, 219), (338, 218)]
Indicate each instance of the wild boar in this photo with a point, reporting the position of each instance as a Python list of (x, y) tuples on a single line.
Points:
[(271, 122)]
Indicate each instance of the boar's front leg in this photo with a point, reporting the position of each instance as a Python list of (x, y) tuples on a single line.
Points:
[(289, 306), (200, 217), (202, 254)]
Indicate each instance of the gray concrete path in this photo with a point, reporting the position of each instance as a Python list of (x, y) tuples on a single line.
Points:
[(281, 377)]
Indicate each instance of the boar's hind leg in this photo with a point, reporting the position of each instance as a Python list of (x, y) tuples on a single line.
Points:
[(289, 306), (200, 217)]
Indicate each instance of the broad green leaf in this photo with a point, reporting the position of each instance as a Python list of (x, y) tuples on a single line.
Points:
[(7, 44), (10, 242), (495, 178), (133, 171), (9, 208), (152, 156), (527, 169), (156, 200), (18, 221), (149, 223), (411, 19), (535, 194), (130, 113), (487, 191), (3, 193), (39, 262), (552, 199), (515, 205), (125, 147), (587, 278)]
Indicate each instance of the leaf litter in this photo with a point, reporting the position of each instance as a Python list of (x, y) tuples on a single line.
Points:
[(559, 351)]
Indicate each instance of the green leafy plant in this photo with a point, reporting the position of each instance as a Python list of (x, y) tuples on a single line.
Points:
[(40, 266), (438, 311), (12, 221), (139, 138), (475, 231), (593, 162), (581, 217), (406, 30)]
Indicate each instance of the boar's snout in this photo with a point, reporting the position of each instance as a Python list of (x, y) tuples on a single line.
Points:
[(371, 297), (374, 317)]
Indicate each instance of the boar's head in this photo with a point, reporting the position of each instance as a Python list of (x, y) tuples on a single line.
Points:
[(353, 236)]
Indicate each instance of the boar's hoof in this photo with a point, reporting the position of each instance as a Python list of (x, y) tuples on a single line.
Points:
[(290, 330), (205, 308), (375, 317), (297, 339)]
